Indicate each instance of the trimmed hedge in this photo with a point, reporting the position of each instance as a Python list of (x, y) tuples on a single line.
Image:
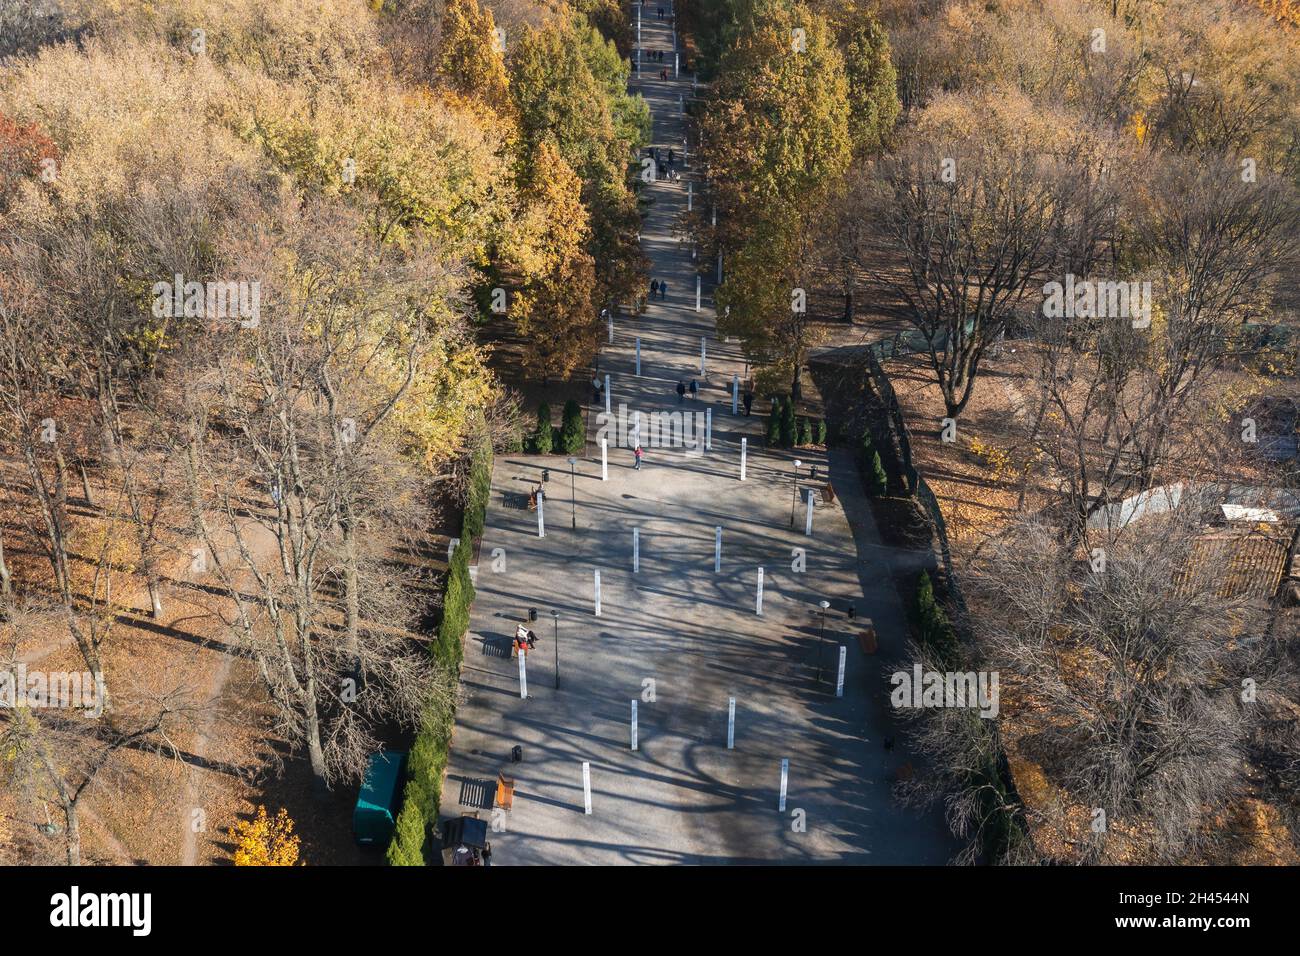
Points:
[(819, 432), (457, 596), (802, 434), (543, 435), (412, 843), (932, 626), (787, 423), (774, 425), (874, 474), (573, 432), (480, 490)]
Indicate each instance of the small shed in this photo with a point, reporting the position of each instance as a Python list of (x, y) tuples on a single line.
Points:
[(376, 809)]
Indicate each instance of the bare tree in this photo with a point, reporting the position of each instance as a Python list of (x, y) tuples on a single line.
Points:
[(977, 222), (1125, 680), (1120, 408)]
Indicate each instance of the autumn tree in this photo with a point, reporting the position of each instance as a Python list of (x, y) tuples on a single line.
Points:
[(776, 142), (468, 58), (554, 311), (265, 841)]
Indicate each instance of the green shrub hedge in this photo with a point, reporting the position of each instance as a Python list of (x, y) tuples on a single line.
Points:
[(412, 843), (774, 425), (543, 435), (932, 627), (573, 432)]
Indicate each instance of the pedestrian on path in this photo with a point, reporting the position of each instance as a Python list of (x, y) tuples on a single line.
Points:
[(681, 391), (637, 454), (671, 156), (663, 290), (749, 401), (695, 389), (654, 288)]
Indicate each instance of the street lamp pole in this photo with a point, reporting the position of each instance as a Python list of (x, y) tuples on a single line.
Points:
[(821, 641), (573, 495), (555, 616), (794, 494)]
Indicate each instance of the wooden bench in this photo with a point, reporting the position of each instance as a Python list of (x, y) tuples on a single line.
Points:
[(505, 792)]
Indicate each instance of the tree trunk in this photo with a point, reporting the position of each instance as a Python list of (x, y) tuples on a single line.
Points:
[(85, 484), (155, 597), (6, 591), (351, 595), (315, 752), (73, 832)]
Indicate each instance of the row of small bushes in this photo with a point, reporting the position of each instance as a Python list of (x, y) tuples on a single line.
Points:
[(411, 844), (873, 471), (569, 439), (786, 430), (1003, 832), (933, 629)]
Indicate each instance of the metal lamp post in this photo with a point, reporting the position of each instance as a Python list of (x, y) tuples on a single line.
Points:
[(821, 641), (555, 616), (794, 495)]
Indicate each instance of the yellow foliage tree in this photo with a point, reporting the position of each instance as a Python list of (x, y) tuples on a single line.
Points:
[(262, 841)]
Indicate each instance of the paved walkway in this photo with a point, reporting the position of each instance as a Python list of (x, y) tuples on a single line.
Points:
[(677, 636)]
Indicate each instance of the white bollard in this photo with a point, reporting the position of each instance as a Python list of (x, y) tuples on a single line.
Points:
[(703, 353), (719, 268), (839, 683), (697, 293), (638, 356), (807, 528), (717, 549), (713, 216), (676, 64), (708, 428), (758, 604), (586, 787), (604, 459), (744, 453), (690, 196), (634, 723), (523, 674), (636, 550), (735, 394), (731, 723), (785, 779), (541, 522), (597, 594), (452, 545), (611, 328), (607, 395)]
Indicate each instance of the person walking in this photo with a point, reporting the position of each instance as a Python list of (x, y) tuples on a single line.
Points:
[(681, 391), (695, 389), (654, 288), (663, 290), (749, 401), (637, 454), (671, 156)]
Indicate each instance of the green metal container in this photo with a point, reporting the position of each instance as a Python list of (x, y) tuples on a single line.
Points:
[(372, 820)]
